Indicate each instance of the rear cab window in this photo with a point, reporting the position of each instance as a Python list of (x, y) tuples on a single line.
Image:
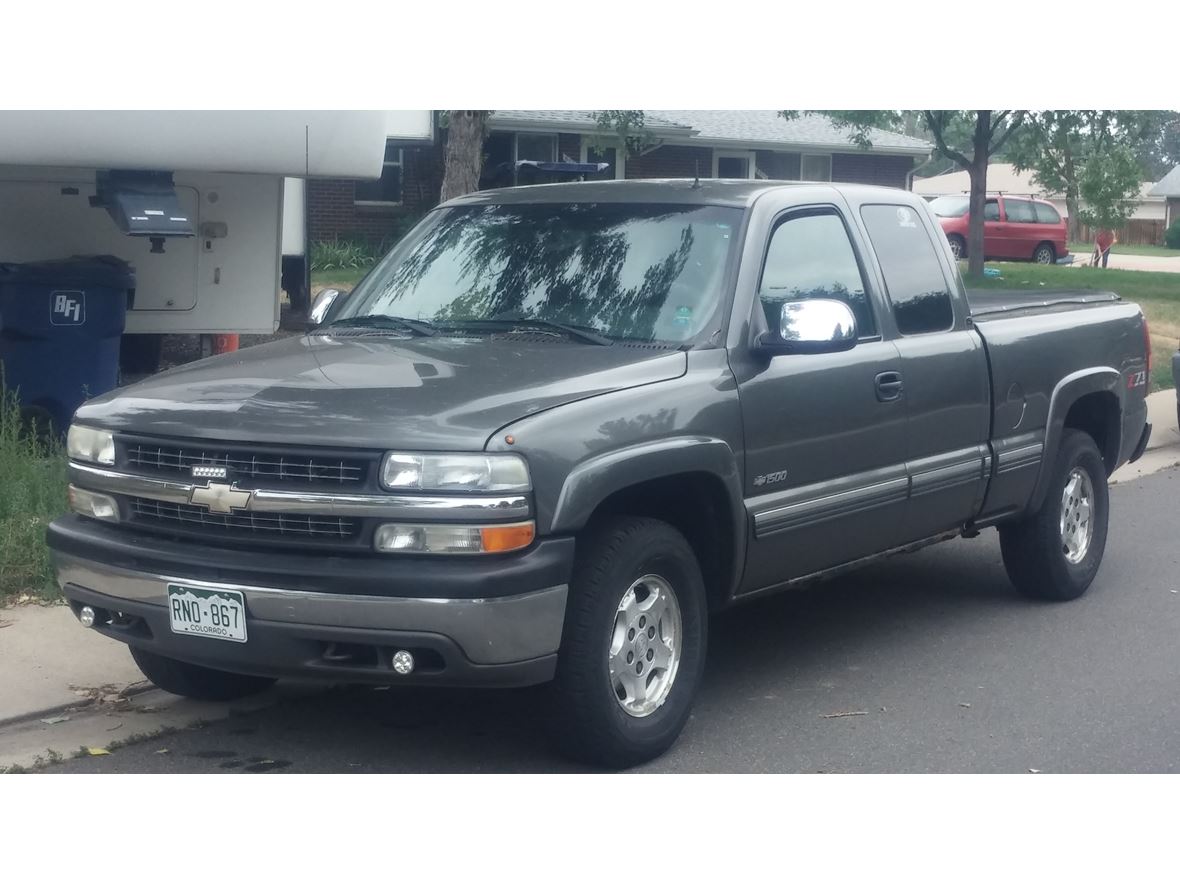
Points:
[(915, 283)]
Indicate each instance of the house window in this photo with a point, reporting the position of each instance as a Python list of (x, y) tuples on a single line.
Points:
[(616, 157), (539, 147), (815, 167), (386, 190), (733, 164)]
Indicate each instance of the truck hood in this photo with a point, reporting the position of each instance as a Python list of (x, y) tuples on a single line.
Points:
[(375, 391)]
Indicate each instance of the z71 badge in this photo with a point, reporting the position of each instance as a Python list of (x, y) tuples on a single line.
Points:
[(1136, 379)]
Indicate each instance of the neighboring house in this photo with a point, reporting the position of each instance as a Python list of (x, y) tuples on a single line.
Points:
[(1146, 223), (1168, 190), (685, 144)]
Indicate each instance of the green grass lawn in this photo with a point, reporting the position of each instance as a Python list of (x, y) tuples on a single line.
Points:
[(1084, 249), (32, 492), (337, 279), (1157, 293)]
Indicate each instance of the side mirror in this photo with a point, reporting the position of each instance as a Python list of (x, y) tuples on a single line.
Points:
[(817, 325), (320, 306)]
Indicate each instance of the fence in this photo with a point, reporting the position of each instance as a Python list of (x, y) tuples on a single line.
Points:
[(1136, 232)]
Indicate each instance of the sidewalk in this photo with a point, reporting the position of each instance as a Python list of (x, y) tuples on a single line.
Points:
[(47, 658), (64, 688)]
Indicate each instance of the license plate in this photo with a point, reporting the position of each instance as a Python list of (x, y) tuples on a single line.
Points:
[(209, 612)]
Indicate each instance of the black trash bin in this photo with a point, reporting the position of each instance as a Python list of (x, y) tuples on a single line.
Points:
[(60, 326)]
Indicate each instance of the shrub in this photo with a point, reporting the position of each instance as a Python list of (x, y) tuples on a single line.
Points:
[(343, 254), (32, 492), (1172, 235)]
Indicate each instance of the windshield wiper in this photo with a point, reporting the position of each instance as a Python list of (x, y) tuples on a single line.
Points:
[(589, 336), (382, 321)]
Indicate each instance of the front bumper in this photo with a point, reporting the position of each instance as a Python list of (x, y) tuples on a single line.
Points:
[(331, 622)]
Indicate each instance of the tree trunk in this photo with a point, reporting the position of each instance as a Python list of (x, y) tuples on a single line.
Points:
[(1072, 203), (978, 174), (463, 161), (1072, 197)]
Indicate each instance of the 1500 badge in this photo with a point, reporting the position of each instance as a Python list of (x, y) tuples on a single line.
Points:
[(768, 478)]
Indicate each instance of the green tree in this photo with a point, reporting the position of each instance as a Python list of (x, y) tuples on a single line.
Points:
[(969, 138), (1159, 154), (1061, 146), (1109, 186)]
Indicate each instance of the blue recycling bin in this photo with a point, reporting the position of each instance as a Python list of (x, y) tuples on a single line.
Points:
[(60, 326)]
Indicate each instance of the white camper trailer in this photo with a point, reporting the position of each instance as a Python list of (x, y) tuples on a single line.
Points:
[(207, 206)]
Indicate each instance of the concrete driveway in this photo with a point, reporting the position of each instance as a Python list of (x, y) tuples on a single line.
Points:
[(1157, 263)]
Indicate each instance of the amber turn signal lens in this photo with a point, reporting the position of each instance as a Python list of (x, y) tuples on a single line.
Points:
[(502, 538)]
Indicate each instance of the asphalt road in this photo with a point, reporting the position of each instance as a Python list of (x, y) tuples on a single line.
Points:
[(952, 671)]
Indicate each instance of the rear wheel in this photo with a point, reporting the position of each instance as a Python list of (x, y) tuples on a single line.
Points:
[(1055, 553), (193, 681), (958, 246), (1045, 254), (633, 646)]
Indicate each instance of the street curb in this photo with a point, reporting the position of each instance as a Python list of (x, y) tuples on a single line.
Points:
[(80, 705)]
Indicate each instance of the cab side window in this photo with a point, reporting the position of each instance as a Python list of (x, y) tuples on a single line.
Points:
[(991, 211), (811, 256), (914, 279)]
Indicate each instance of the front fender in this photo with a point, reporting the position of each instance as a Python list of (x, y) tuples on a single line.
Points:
[(594, 480)]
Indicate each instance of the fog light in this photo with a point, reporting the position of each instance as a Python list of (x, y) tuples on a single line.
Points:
[(86, 616), (93, 504), (403, 663)]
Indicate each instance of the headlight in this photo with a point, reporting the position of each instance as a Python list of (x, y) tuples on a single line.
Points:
[(454, 473), (441, 538), (90, 445)]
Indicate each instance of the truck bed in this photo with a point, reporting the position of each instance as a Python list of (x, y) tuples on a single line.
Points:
[(990, 302)]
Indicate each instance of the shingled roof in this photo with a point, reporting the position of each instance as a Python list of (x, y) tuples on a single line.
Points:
[(746, 129)]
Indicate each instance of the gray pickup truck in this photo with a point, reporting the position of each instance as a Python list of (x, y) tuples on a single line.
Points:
[(557, 426)]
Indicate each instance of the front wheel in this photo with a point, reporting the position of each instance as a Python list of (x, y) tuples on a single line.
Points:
[(1054, 554), (1044, 254), (633, 646), (193, 681), (958, 247)]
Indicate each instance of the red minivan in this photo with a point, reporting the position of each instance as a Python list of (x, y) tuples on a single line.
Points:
[(1014, 228)]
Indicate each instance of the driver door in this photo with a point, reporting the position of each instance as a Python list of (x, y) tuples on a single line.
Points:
[(825, 433)]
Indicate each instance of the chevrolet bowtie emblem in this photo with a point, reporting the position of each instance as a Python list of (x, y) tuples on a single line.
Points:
[(220, 498)]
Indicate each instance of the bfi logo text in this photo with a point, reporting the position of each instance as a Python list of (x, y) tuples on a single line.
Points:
[(69, 308)]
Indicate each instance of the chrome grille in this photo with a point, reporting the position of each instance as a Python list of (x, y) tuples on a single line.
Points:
[(191, 517), (244, 464)]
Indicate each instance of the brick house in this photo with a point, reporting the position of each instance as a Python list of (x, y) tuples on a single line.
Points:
[(686, 144), (1168, 187)]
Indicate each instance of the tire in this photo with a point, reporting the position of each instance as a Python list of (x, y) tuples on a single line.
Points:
[(1044, 254), (193, 681), (596, 718), (958, 246), (1040, 560)]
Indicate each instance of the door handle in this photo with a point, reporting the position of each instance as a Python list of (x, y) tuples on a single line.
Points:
[(889, 386)]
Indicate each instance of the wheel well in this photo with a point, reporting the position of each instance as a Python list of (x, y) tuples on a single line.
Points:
[(697, 505), (1098, 415)]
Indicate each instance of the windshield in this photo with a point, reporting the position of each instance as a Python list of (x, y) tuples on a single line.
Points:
[(625, 271), (950, 207)]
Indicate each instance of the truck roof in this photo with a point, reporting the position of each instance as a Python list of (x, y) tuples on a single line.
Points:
[(705, 191)]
